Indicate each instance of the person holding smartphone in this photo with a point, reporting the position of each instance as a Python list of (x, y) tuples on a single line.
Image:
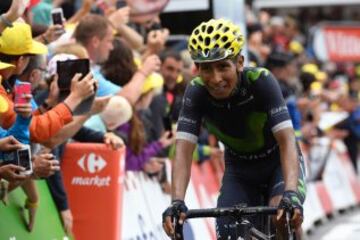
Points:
[(43, 126), (10, 11)]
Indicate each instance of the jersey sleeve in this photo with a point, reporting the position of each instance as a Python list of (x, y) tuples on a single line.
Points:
[(268, 90), (190, 117)]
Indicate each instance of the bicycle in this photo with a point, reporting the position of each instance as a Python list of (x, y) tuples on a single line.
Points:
[(249, 232)]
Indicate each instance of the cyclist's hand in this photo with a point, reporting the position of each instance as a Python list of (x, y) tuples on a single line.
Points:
[(291, 203), (177, 210)]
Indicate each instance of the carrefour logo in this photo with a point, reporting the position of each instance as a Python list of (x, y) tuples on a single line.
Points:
[(94, 163)]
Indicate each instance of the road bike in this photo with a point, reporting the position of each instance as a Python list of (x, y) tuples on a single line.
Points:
[(244, 228)]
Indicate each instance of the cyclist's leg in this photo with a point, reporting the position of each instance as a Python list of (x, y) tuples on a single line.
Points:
[(277, 187), (233, 192)]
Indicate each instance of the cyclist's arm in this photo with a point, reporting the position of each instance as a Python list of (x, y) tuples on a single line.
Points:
[(288, 157), (269, 91), (188, 129), (181, 168)]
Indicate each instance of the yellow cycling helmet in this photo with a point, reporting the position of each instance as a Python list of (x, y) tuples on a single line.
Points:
[(215, 40)]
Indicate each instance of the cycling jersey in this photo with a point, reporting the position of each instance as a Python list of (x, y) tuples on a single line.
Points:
[(244, 122)]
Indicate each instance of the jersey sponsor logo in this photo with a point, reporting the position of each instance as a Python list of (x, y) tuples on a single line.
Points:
[(254, 74), (243, 92), (197, 81), (187, 102), (187, 120), (261, 155), (278, 110), (245, 101)]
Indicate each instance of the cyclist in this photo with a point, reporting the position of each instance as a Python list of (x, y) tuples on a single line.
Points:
[(245, 109)]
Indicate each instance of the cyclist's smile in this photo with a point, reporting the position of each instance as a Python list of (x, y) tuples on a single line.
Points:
[(219, 77)]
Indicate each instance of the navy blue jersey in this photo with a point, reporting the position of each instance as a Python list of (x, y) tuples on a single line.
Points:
[(244, 122)]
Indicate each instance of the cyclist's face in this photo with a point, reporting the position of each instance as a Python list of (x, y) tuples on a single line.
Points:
[(220, 77)]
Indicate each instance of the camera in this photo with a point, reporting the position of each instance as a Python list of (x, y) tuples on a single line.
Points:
[(20, 157)]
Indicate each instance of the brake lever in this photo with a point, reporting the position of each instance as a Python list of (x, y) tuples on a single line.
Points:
[(288, 216), (178, 233)]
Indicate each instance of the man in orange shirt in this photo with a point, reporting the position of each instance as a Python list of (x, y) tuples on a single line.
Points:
[(16, 45)]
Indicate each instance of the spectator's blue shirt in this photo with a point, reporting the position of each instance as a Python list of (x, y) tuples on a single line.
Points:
[(106, 88), (20, 130)]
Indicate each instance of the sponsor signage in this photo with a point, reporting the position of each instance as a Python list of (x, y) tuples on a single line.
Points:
[(337, 42), (91, 176)]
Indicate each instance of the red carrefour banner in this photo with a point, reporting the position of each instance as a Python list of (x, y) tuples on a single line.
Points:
[(337, 43), (91, 175)]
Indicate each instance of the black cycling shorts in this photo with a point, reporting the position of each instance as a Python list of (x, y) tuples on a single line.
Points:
[(262, 181)]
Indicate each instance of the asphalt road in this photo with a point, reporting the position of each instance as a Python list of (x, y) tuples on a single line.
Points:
[(344, 226)]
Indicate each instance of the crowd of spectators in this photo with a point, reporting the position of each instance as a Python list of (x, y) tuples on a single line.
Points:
[(139, 83)]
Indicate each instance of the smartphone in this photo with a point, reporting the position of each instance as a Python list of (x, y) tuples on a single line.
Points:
[(21, 89), (156, 26), (167, 125), (9, 157), (66, 70), (57, 16), (121, 3), (24, 160)]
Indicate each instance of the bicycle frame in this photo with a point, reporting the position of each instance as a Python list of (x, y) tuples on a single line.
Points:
[(238, 212)]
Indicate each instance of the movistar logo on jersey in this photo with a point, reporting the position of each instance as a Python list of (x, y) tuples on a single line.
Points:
[(197, 81), (254, 74)]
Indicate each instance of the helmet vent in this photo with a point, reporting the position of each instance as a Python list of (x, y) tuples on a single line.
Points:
[(196, 32), (203, 28), (217, 36), (201, 38), (216, 46), (224, 38), (227, 45), (207, 40), (194, 41), (219, 26), (206, 51), (210, 29), (225, 29)]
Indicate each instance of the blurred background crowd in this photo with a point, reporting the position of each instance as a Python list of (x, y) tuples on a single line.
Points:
[(139, 71)]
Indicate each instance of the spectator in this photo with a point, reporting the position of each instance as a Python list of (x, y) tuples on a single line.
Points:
[(282, 65), (95, 33), (140, 148), (11, 10), (168, 103), (16, 46)]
